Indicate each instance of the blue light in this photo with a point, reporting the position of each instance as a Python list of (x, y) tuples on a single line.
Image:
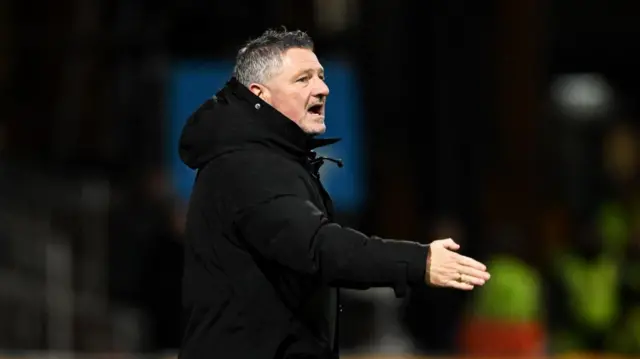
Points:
[(192, 83)]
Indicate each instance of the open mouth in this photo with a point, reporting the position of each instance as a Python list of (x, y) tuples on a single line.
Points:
[(317, 109)]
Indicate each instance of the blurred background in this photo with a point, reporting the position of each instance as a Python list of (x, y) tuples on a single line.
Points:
[(511, 126)]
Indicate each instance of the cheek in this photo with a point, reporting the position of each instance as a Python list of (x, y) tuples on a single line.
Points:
[(289, 106), (296, 106)]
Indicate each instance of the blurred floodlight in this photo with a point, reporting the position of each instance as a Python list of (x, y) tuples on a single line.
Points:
[(582, 96)]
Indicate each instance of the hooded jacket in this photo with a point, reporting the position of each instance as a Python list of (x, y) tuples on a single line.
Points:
[(263, 256)]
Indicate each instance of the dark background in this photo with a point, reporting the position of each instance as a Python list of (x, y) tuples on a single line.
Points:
[(466, 135)]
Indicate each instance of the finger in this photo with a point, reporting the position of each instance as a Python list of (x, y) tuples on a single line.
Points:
[(450, 244), (470, 262), (474, 273), (471, 279), (459, 285)]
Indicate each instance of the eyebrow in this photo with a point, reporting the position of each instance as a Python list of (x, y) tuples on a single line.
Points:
[(310, 70)]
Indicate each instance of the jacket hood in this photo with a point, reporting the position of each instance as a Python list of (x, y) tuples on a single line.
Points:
[(236, 119)]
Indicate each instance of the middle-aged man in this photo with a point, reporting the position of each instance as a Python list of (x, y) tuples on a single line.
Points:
[(263, 255)]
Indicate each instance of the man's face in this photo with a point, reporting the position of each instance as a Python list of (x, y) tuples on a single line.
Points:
[(298, 90)]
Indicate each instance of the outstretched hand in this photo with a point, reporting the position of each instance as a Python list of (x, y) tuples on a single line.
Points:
[(446, 268)]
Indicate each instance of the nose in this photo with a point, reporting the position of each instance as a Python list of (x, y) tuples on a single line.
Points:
[(321, 89)]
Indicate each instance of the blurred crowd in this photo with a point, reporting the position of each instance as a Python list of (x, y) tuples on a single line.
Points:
[(572, 288)]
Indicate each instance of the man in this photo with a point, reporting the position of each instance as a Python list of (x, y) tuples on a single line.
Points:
[(263, 255)]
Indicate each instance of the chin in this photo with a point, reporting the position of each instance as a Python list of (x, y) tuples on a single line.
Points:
[(315, 129), (312, 125)]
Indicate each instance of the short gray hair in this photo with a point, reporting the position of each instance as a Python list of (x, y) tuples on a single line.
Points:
[(261, 58)]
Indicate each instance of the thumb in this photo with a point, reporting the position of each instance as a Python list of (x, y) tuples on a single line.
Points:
[(450, 244)]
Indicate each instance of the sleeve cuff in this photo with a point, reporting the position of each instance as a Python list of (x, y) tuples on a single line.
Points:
[(411, 272)]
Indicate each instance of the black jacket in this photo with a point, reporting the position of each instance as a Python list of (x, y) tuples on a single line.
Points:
[(263, 256)]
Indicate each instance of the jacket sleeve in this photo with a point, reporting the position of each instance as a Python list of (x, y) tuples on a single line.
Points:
[(294, 233)]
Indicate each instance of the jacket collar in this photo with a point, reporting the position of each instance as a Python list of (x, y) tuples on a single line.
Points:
[(288, 133)]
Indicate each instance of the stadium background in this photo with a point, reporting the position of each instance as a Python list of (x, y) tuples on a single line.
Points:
[(508, 125)]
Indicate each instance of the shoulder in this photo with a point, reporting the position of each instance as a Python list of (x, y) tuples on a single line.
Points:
[(251, 176), (255, 166)]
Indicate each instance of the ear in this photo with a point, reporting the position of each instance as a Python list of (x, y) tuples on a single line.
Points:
[(260, 91)]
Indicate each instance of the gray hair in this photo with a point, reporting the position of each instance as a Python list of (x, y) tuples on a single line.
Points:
[(261, 58)]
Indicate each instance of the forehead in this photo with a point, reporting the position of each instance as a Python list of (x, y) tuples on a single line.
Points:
[(295, 60)]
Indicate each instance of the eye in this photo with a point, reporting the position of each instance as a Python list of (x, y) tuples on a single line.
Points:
[(303, 79)]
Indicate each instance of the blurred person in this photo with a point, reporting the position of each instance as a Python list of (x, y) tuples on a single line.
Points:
[(620, 207), (604, 249), (506, 317), (625, 338), (585, 302), (263, 256)]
